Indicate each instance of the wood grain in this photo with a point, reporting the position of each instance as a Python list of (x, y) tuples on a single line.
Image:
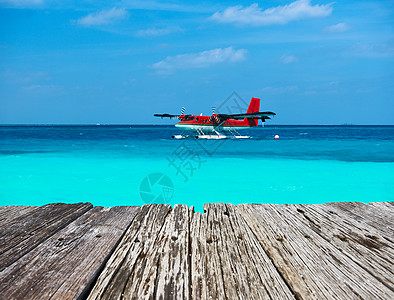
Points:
[(310, 263), (130, 272), (8, 213), (228, 262), (365, 245), (24, 233), (68, 262), (249, 251)]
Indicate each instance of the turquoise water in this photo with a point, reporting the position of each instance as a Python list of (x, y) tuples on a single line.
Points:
[(112, 165)]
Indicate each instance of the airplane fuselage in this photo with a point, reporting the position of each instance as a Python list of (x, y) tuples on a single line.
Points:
[(212, 123)]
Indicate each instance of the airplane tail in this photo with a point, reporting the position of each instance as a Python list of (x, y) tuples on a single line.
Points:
[(254, 106)]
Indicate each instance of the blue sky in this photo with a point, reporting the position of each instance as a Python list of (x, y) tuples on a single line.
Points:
[(118, 62)]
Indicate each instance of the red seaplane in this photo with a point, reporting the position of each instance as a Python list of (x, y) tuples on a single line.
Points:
[(212, 127)]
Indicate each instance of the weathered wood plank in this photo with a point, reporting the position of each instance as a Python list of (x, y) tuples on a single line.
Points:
[(124, 276), (228, 262), (171, 254), (312, 266), (379, 215), (356, 239), (8, 213), (67, 263), (329, 251), (25, 232), (204, 263)]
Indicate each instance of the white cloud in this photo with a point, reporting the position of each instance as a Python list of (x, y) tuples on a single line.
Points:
[(254, 15), (164, 6), (103, 17), (288, 58), (200, 60), (340, 27), (372, 50), (19, 78), (151, 32), (36, 87)]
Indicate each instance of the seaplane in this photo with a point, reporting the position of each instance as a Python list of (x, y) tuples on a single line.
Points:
[(217, 125)]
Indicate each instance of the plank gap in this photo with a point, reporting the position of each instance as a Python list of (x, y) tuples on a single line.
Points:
[(295, 294), (86, 292)]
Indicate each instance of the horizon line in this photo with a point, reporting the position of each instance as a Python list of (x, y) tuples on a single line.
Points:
[(125, 124)]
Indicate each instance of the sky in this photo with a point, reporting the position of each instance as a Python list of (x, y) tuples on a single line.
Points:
[(119, 62)]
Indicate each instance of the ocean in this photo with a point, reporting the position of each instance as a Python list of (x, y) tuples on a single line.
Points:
[(111, 165)]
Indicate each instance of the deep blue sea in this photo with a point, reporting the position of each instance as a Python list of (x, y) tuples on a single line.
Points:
[(133, 165)]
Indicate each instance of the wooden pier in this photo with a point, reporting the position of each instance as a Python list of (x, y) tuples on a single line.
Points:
[(251, 251)]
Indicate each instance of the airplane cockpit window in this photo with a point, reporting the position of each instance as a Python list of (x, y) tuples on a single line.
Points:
[(188, 118)]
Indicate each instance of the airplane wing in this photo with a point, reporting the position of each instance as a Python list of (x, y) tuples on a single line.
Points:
[(260, 114), (166, 116)]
